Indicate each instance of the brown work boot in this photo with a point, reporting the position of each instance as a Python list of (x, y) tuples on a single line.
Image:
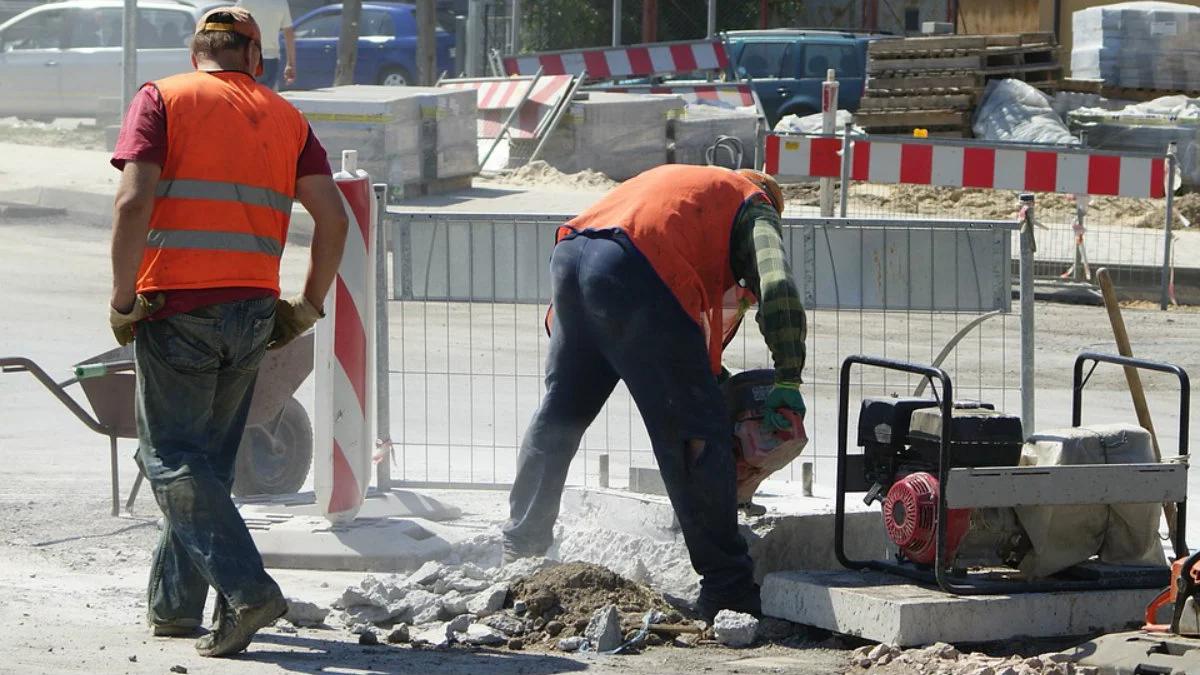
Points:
[(235, 627)]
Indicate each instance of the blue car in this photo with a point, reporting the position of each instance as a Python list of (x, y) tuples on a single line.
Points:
[(387, 46), (788, 67)]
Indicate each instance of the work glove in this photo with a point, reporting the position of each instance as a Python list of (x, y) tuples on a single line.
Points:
[(292, 317), (782, 395), (122, 322)]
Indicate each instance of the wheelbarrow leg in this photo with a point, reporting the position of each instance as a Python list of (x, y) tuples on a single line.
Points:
[(137, 483), (116, 484)]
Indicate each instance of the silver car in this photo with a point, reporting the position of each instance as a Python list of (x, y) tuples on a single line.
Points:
[(63, 59)]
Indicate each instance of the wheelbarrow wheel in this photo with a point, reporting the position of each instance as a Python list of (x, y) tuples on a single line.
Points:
[(274, 458)]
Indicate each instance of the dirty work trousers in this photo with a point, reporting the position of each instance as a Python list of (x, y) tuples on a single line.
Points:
[(614, 318), (195, 377)]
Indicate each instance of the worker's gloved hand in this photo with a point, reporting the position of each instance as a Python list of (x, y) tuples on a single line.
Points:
[(783, 395), (292, 317), (122, 322)]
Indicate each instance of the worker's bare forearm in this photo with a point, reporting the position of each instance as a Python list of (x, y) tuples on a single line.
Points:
[(321, 199), (131, 222), (289, 41)]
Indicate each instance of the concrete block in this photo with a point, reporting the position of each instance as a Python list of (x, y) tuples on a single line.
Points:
[(696, 130), (890, 610), (366, 545), (646, 481), (389, 504)]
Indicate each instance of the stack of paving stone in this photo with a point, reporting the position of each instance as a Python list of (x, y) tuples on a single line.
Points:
[(619, 135), (695, 131), (419, 140), (1138, 45)]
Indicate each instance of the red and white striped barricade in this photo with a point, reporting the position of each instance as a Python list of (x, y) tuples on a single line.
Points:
[(496, 97), (736, 94), (345, 359), (919, 162), (609, 63)]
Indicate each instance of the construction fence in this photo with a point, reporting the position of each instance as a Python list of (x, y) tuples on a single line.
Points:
[(1093, 208), (469, 293)]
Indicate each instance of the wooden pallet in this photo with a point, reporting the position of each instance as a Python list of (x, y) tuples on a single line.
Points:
[(1121, 93), (912, 119), (965, 43), (872, 103)]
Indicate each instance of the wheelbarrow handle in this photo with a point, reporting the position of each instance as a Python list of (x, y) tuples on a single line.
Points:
[(18, 364)]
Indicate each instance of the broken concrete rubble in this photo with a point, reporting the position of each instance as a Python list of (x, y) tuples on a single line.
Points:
[(944, 658), (306, 614), (480, 635), (735, 629), (603, 632)]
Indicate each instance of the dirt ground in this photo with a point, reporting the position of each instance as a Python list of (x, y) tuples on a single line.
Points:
[(73, 578)]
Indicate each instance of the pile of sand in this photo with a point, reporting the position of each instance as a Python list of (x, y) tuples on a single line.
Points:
[(541, 174)]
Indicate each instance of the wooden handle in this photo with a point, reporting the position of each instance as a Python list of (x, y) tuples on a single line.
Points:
[(1133, 377)]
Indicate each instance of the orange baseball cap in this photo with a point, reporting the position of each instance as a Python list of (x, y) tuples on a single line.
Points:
[(236, 20)]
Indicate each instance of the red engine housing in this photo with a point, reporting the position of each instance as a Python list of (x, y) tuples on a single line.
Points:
[(910, 517)]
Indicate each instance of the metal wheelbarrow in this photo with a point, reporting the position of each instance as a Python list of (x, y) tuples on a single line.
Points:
[(276, 449)]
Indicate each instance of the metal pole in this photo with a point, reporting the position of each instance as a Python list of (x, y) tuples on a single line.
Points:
[(829, 96), (426, 47), (712, 18), (616, 23), (129, 84), (475, 46), (460, 39), (844, 192), (1028, 248), (514, 29), (1165, 297), (383, 426)]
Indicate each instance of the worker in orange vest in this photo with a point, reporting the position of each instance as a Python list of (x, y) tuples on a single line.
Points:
[(648, 286), (210, 162)]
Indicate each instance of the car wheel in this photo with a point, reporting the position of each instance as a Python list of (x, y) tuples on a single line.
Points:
[(394, 77), (274, 458)]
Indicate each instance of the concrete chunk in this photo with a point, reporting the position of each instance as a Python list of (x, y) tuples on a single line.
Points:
[(305, 614), (488, 601), (604, 630), (480, 635), (735, 629), (426, 574)]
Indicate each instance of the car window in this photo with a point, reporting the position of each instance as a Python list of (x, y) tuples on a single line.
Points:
[(164, 28), (819, 58), (43, 30), (157, 28), (376, 23), (762, 59), (324, 26), (406, 21)]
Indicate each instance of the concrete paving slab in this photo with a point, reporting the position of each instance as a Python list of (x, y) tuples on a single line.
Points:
[(365, 545), (890, 610), (389, 504)]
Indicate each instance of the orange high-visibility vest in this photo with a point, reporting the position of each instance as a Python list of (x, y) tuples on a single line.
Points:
[(224, 198), (681, 217)]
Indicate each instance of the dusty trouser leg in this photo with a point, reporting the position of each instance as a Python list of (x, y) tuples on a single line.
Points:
[(195, 375), (578, 382), (661, 355)]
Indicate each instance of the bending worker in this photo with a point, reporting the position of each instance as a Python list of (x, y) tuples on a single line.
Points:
[(645, 287), (210, 162)]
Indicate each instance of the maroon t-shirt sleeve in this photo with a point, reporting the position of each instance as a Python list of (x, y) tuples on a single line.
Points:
[(143, 136), (313, 159)]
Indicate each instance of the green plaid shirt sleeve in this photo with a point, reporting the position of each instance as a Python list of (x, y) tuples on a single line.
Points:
[(757, 256)]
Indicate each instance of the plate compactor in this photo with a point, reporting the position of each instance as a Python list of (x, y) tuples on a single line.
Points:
[(973, 504)]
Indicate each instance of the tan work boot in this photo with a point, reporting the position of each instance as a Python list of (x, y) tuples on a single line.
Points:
[(235, 627)]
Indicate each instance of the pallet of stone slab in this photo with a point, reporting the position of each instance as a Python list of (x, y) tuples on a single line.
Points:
[(1101, 88), (873, 103)]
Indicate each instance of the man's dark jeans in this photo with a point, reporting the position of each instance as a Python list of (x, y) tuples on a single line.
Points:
[(195, 377), (614, 318)]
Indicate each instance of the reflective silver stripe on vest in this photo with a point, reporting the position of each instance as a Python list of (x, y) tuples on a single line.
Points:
[(214, 241), (188, 188)]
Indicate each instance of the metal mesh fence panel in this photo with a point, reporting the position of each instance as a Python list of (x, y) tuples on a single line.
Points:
[(468, 342)]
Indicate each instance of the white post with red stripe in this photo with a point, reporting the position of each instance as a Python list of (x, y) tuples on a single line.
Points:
[(829, 99), (345, 359)]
